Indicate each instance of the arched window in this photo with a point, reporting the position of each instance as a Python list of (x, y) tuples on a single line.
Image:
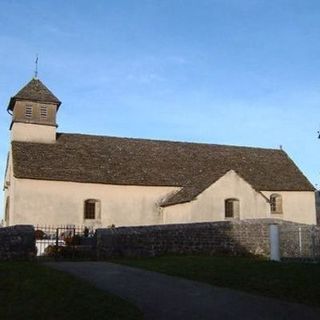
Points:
[(276, 203), (91, 209), (232, 208)]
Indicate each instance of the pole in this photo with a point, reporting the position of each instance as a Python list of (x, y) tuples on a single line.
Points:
[(274, 242)]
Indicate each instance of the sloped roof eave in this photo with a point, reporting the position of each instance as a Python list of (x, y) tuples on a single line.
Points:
[(169, 201), (13, 101), (36, 91), (128, 161)]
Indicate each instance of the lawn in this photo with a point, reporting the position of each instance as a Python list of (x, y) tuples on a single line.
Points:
[(294, 282), (33, 291)]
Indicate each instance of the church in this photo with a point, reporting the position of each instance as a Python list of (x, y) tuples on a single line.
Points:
[(61, 178)]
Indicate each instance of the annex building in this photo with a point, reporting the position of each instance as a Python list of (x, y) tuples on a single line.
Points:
[(76, 179)]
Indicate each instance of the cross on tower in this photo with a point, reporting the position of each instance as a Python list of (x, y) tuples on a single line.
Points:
[(36, 68)]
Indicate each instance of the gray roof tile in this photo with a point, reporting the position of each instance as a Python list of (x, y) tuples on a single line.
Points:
[(34, 90), (124, 161)]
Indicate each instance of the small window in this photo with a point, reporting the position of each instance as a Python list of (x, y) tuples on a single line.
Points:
[(276, 203), (28, 113), (91, 208), (232, 208), (43, 112)]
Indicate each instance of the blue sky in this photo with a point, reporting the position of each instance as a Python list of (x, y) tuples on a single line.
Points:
[(242, 72)]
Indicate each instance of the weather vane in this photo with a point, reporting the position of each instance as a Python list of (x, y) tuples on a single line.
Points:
[(36, 67)]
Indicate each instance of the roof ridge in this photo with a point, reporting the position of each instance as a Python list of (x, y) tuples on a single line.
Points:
[(130, 161), (168, 141)]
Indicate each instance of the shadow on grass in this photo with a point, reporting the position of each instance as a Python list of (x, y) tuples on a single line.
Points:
[(287, 281), (32, 291)]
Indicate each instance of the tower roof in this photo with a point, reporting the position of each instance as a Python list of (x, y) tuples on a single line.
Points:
[(34, 90)]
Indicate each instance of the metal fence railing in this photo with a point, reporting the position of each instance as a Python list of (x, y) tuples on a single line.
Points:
[(63, 241)]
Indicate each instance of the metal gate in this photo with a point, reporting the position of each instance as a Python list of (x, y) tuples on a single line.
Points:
[(64, 242)]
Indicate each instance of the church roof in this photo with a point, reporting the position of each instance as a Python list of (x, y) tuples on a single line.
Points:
[(124, 161), (34, 90)]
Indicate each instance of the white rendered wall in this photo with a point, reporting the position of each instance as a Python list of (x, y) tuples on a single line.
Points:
[(60, 203), (9, 191), (210, 204), (54, 202), (33, 132), (298, 206)]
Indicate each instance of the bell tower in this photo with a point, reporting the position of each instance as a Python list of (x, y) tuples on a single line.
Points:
[(33, 110)]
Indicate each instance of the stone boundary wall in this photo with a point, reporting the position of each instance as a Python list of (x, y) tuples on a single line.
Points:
[(242, 237), (223, 237), (299, 241), (17, 243)]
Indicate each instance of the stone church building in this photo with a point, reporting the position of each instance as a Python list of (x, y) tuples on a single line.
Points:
[(75, 179)]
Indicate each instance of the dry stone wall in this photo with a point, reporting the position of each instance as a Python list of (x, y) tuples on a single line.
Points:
[(244, 237), (225, 237), (299, 241), (17, 243)]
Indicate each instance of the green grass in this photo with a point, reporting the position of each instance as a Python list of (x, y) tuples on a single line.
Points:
[(288, 281), (32, 291)]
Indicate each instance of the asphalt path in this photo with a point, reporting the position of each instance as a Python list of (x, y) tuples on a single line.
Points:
[(163, 297)]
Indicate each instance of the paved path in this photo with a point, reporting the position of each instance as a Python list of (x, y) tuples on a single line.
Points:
[(164, 297)]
